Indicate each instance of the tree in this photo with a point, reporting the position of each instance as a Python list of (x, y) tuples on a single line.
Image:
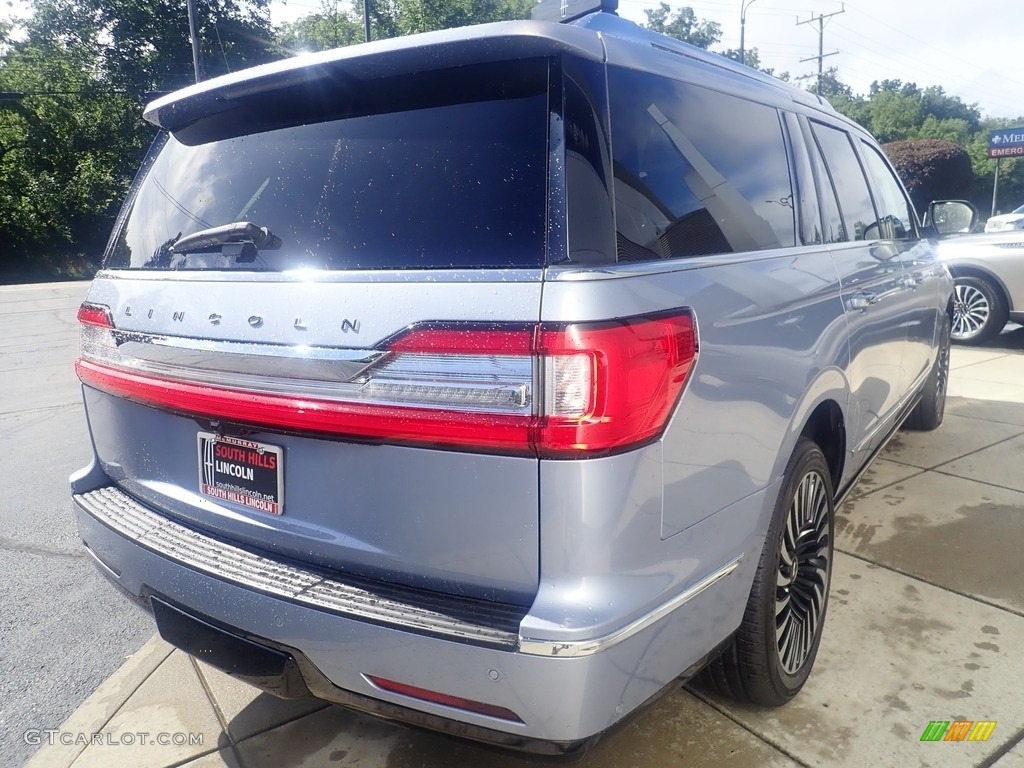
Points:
[(330, 28), (951, 129), (893, 116), (1011, 170), (67, 152), (333, 27), (752, 59), (143, 45), (932, 169), (392, 18), (683, 26)]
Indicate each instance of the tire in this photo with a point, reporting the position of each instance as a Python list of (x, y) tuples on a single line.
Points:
[(773, 651), (979, 309), (927, 414)]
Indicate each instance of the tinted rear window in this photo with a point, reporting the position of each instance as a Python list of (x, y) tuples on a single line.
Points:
[(430, 183)]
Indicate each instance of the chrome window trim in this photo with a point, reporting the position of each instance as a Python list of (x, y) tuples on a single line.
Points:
[(500, 276)]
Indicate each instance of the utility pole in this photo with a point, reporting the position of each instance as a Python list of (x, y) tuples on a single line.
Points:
[(995, 189), (820, 18), (744, 4), (193, 32), (366, 20)]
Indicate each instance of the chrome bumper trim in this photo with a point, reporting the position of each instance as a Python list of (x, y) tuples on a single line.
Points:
[(589, 647), (383, 605)]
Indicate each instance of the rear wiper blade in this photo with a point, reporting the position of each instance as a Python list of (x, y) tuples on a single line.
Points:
[(242, 232)]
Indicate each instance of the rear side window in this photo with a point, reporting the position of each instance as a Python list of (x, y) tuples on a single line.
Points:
[(858, 213), (451, 173), (896, 218), (696, 171)]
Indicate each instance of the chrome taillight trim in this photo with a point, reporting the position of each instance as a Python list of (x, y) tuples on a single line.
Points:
[(381, 604), (500, 384)]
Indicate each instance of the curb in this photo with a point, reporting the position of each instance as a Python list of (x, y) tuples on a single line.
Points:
[(61, 747)]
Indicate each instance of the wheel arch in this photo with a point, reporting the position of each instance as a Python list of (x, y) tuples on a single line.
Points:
[(827, 428), (822, 417)]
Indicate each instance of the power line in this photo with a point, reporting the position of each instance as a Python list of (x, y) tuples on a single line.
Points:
[(821, 40)]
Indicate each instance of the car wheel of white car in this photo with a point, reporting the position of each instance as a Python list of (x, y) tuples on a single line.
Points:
[(773, 651), (979, 310)]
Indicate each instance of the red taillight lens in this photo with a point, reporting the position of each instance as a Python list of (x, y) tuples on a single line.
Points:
[(556, 391), (94, 314), (445, 699), (632, 372)]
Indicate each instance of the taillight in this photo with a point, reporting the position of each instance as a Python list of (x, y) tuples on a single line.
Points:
[(610, 386), (548, 390), (94, 314), (96, 338)]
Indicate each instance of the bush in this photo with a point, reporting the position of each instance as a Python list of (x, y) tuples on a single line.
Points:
[(932, 169)]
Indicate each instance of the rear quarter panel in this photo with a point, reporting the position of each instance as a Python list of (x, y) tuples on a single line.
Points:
[(773, 345)]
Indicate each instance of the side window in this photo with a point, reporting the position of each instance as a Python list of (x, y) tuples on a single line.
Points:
[(696, 171), (848, 178), (591, 227), (896, 218), (832, 222), (807, 201)]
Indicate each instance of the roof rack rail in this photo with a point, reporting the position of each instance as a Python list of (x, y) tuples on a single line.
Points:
[(570, 10)]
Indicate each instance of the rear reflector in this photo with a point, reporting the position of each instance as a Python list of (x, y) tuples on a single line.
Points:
[(444, 699), (554, 391)]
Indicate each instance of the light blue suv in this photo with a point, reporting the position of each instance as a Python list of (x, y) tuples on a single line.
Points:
[(494, 379)]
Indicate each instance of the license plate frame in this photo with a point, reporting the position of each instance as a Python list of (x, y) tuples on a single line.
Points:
[(241, 471)]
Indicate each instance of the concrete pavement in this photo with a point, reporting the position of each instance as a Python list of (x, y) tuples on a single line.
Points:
[(926, 622)]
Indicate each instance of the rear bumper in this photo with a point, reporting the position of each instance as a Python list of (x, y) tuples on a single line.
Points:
[(563, 698)]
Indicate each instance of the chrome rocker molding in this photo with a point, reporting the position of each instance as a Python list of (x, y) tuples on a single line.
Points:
[(131, 519)]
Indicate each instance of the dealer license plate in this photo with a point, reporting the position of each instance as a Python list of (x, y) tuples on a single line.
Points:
[(242, 471)]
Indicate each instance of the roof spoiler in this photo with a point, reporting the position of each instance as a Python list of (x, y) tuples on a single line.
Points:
[(570, 10)]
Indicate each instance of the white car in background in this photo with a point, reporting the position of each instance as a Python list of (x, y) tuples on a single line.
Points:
[(1006, 221), (988, 270)]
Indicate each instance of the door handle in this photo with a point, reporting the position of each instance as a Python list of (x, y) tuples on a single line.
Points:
[(912, 281), (862, 300)]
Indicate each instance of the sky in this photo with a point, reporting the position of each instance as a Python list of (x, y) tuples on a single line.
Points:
[(970, 51)]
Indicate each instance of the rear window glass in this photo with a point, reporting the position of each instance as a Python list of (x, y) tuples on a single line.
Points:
[(696, 171), (440, 185)]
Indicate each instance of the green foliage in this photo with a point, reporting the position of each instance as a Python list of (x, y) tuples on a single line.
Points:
[(143, 45), (893, 116), (391, 18), (752, 59), (683, 26), (70, 146), (67, 151), (1011, 170), (334, 27), (895, 111), (330, 28)]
